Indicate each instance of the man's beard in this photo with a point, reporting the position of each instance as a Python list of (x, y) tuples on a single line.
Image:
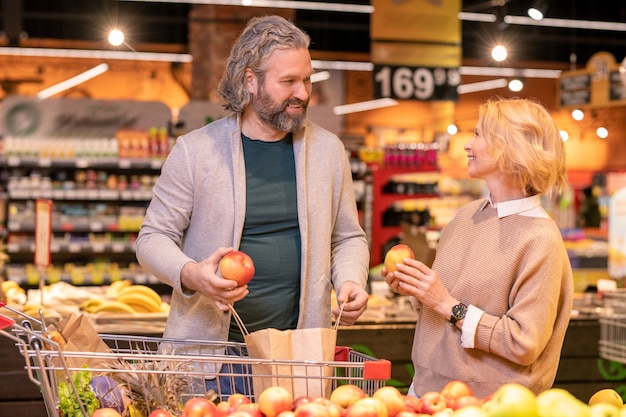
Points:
[(274, 114)]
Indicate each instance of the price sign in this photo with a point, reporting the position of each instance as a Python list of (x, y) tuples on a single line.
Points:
[(43, 232), (416, 83)]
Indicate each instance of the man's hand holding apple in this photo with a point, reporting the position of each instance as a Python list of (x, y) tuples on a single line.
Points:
[(202, 277)]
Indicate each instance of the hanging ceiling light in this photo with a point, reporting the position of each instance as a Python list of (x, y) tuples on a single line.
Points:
[(72, 82), (537, 10)]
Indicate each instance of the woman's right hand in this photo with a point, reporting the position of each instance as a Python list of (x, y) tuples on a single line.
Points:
[(202, 277)]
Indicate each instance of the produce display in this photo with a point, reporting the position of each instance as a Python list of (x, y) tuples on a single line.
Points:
[(454, 400)]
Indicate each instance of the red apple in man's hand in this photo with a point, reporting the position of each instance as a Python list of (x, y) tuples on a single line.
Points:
[(237, 266), (396, 255), (274, 400), (432, 401)]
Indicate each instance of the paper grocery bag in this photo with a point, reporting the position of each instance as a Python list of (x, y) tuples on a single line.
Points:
[(297, 346), (81, 336)]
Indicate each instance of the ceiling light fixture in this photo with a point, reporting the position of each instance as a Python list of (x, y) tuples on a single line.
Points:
[(481, 86), (548, 22), (516, 85), (320, 76), (509, 72), (499, 53), (280, 4), (72, 82), (537, 10), (364, 106), (95, 54)]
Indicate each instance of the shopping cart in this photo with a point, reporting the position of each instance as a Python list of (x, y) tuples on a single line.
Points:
[(144, 368), (612, 344)]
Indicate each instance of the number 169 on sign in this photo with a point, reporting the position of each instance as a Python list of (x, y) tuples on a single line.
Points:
[(424, 84)]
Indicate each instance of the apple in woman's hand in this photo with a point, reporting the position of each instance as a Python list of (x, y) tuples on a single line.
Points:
[(396, 255), (237, 266)]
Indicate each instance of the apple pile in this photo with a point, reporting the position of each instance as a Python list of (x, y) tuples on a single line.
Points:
[(455, 399)]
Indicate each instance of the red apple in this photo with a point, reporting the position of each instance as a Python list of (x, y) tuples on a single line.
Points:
[(222, 409), (236, 399), (396, 255), (287, 414), (454, 390), (311, 409), (160, 413), (412, 403), (301, 400), (106, 412), (470, 411), (199, 407), (274, 400), (237, 266), (367, 407), (252, 409), (346, 395), (392, 398), (432, 401), (333, 409), (465, 401)]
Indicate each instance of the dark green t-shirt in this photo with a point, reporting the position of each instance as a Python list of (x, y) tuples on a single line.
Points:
[(271, 236)]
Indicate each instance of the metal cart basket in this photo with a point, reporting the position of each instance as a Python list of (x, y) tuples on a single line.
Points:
[(612, 344), (144, 368)]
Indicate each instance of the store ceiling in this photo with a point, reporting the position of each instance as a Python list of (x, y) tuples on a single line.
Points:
[(166, 23)]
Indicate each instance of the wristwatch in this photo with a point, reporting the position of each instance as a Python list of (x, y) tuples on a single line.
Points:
[(458, 313)]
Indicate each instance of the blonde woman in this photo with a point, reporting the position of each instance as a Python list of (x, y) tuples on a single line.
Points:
[(495, 306)]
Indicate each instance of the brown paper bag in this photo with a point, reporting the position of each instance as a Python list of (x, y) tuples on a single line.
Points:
[(80, 336), (298, 345)]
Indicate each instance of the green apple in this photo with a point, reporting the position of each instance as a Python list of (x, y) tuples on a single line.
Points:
[(512, 400), (604, 410), (558, 402)]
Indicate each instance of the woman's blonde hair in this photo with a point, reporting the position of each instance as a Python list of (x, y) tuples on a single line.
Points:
[(526, 144), (252, 49)]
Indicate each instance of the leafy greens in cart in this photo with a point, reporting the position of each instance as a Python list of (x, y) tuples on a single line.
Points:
[(68, 403)]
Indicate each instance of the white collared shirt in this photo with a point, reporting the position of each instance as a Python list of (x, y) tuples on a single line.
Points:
[(528, 206)]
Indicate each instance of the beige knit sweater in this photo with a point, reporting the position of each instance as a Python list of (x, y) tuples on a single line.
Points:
[(517, 271)]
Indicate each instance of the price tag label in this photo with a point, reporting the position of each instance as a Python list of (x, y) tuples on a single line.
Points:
[(43, 232), (416, 83)]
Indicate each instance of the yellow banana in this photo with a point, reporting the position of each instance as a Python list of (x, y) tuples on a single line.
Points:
[(114, 307), (140, 302), (116, 287), (165, 307), (7, 285), (91, 304), (141, 289)]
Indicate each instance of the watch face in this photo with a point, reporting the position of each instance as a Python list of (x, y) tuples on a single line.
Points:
[(459, 311)]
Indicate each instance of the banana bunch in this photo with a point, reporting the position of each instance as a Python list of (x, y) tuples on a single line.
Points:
[(127, 298), (14, 293), (140, 298)]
